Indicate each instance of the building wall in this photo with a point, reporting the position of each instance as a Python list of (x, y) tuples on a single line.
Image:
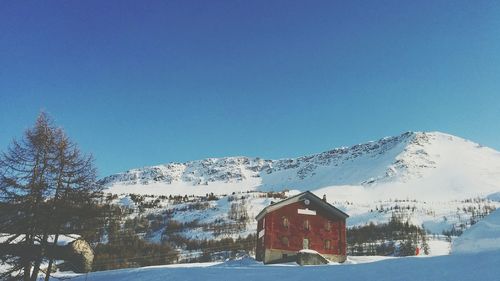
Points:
[(259, 250), (277, 239)]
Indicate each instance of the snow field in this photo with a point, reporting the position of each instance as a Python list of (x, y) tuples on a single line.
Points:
[(479, 266)]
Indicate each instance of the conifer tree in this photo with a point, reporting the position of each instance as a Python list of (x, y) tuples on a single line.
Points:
[(48, 187)]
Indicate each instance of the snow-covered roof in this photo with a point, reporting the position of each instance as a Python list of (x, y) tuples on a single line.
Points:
[(301, 197)]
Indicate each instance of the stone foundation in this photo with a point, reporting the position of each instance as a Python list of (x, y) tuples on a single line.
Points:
[(281, 256)]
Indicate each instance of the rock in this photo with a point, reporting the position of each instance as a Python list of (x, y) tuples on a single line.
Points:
[(80, 255), (310, 257)]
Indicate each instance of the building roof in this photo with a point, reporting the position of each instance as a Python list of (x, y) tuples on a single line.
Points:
[(301, 197)]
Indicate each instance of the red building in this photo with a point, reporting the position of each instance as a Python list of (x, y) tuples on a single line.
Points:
[(303, 221)]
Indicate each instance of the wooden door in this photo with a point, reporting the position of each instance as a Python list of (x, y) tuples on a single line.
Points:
[(305, 243)]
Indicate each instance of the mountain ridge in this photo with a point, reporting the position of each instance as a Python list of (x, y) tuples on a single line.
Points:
[(396, 160)]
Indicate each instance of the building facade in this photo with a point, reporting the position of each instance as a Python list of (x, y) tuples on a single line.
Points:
[(303, 221)]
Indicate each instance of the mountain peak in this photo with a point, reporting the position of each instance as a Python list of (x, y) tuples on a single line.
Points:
[(412, 158)]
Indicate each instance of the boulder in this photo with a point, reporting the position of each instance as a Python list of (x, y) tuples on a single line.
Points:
[(310, 257), (80, 255)]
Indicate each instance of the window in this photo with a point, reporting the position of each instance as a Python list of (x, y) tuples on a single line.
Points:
[(285, 222), (327, 244), (328, 226), (307, 225), (284, 241)]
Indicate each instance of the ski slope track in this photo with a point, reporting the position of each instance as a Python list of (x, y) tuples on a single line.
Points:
[(430, 166)]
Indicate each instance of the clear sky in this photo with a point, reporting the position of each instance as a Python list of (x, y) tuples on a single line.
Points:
[(148, 82)]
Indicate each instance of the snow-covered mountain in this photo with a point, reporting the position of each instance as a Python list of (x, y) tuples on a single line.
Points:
[(435, 180), (427, 166)]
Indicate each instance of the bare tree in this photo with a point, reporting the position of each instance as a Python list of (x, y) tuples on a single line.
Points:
[(75, 192), (45, 183)]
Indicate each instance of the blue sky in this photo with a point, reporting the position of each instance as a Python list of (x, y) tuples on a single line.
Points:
[(147, 82)]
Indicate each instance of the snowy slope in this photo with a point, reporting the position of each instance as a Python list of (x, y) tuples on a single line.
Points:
[(482, 266), (442, 182), (426, 166), (205, 217), (483, 236)]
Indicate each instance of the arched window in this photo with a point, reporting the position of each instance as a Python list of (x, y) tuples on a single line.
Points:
[(285, 222), (284, 241), (307, 225)]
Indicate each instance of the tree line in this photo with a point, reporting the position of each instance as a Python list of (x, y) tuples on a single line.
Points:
[(395, 238)]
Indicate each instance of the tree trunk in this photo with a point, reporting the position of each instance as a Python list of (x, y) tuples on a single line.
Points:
[(51, 261), (39, 257)]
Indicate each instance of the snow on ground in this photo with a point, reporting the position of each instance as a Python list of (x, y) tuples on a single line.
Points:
[(478, 266), (160, 188), (483, 236), (366, 259), (439, 247), (209, 212), (434, 216)]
